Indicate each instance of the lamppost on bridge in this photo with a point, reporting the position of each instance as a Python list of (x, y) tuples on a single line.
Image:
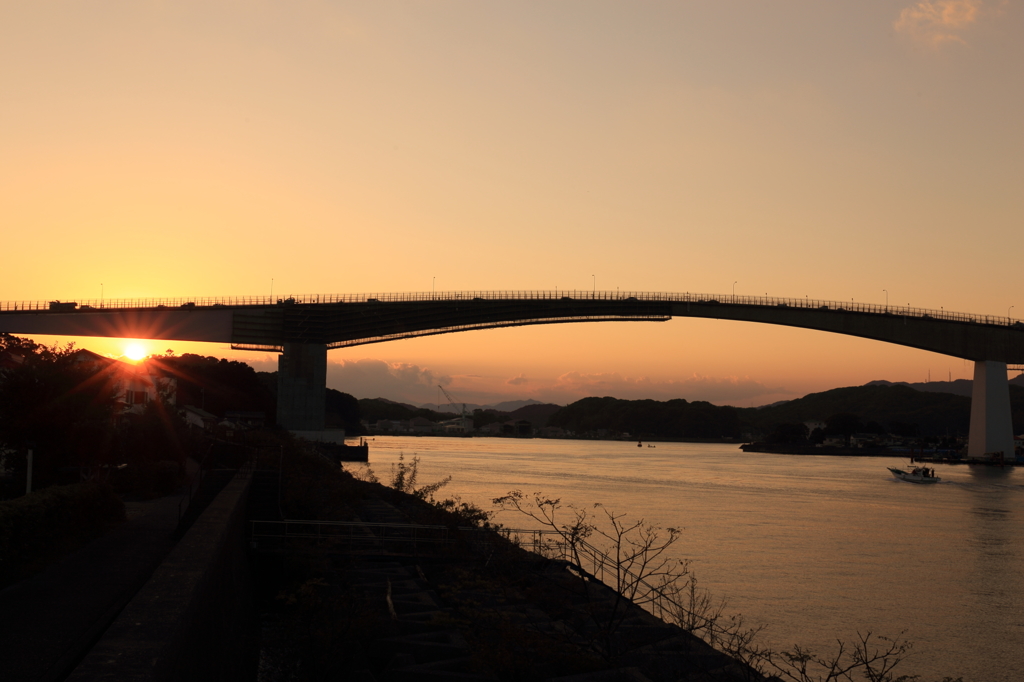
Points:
[(734, 289), (101, 294), (433, 284), (595, 284), (886, 299), (1008, 314)]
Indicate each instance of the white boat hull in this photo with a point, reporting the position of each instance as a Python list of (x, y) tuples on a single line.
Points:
[(915, 476)]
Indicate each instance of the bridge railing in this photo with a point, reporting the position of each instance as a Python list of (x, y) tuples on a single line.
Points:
[(95, 305)]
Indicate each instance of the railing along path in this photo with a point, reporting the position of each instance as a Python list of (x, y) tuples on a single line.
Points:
[(584, 557), (108, 304)]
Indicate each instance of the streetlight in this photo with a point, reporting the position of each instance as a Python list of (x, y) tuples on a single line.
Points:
[(101, 294), (886, 298), (734, 289), (433, 281), (1008, 314), (595, 283)]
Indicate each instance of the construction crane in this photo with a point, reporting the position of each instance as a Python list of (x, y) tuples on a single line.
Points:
[(451, 400)]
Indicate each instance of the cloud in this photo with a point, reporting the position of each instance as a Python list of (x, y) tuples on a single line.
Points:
[(369, 378), (409, 383), (936, 22), (575, 385)]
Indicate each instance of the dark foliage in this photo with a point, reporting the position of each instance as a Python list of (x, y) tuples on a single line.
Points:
[(159, 433), (789, 433), (19, 345), (64, 406), (219, 385), (35, 526), (60, 408), (904, 407), (843, 424), (903, 429), (482, 418), (343, 412), (537, 415), (649, 418)]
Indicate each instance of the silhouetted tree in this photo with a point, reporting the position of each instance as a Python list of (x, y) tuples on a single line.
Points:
[(343, 411), (904, 429), (59, 406), (789, 433), (875, 428), (843, 424), (218, 385)]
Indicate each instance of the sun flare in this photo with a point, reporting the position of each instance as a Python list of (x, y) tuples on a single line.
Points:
[(134, 351)]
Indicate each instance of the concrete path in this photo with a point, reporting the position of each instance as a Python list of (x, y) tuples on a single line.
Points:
[(50, 620)]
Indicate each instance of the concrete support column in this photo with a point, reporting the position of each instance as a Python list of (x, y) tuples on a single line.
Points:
[(302, 386), (991, 423)]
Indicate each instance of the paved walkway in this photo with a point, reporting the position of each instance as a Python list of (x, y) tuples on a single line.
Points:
[(50, 620)]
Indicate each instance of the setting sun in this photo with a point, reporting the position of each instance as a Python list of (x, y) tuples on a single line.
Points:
[(135, 351)]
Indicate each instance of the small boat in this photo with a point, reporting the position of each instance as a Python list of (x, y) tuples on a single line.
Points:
[(916, 475)]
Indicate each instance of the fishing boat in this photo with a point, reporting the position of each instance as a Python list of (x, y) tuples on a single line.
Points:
[(916, 475)]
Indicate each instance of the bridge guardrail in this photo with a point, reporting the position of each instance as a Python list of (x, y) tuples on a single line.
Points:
[(107, 304)]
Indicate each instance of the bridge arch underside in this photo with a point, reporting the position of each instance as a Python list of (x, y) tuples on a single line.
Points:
[(303, 332), (351, 324), (992, 347)]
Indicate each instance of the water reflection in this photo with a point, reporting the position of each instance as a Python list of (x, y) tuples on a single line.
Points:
[(991, 566), (818, 547)]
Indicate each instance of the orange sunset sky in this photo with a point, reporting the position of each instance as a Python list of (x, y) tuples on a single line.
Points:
[(836, 149)]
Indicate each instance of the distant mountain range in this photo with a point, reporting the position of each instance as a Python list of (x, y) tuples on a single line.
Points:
[(533, 411), (929, 408), (507, 406), (958, 387)]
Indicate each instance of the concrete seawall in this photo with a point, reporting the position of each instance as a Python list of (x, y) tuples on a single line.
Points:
[(193, 619)]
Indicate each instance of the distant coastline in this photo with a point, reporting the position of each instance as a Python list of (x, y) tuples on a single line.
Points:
[(790, 449)]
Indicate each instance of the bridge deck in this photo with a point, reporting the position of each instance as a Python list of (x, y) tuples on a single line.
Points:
[(339, 320)]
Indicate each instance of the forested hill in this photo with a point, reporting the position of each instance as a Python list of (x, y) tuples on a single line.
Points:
[(898, 409), (648, 418), (894, 405), (891, 406)]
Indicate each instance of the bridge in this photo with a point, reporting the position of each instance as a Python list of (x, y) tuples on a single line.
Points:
[(303, 328)]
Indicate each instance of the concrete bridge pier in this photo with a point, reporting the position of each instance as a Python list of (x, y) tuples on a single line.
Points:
[(991, 421), (302, 387)]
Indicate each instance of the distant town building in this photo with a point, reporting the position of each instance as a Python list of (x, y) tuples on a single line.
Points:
[(421, 425), (199, 418)]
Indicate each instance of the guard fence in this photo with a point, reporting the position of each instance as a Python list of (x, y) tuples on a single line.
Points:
[(584, 559), (116, 304)]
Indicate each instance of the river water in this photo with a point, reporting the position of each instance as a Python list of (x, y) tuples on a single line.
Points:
[(817, 548)]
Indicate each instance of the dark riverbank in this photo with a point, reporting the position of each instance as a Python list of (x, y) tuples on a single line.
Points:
[(912, 455), (791, 449)]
